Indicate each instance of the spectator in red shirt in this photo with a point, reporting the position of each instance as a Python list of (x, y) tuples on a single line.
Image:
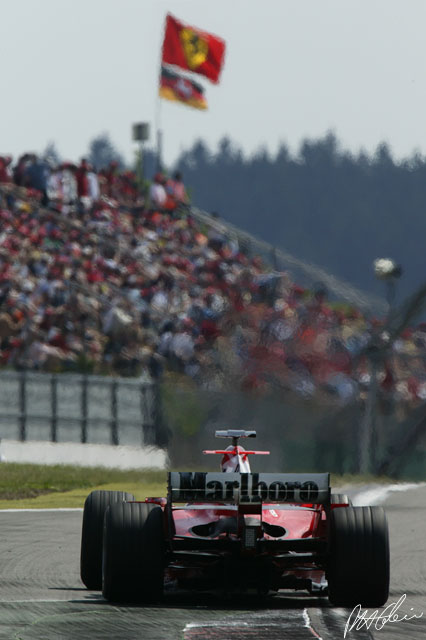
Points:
[(5, 175), (82, 179), (175, 188), (112, 179)]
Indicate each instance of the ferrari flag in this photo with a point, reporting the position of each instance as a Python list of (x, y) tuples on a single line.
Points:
[(175, 87), (192, 49)]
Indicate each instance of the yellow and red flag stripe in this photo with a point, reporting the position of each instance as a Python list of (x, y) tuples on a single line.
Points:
[(176, 87)]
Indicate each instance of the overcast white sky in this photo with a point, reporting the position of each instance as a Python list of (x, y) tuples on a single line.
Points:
[(71, 70)]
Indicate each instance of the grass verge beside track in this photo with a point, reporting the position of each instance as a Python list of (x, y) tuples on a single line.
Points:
[(26, 486), (30, 486)]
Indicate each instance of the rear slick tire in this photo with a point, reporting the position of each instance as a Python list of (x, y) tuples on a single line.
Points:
[(133, 553), (95, 506), (358, 565)]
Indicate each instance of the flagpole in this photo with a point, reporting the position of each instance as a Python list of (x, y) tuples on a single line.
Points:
[(159, 132), (159, 135)]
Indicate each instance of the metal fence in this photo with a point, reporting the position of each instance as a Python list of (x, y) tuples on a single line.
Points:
[(80, 408), (306, 274)]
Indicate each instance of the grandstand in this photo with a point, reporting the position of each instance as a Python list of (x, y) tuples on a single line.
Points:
[(102, 281), (97, 280)]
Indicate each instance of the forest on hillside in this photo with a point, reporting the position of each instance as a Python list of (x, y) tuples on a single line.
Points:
[(323, 204)]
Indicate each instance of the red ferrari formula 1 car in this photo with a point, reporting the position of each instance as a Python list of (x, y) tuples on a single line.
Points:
[(236, 531)]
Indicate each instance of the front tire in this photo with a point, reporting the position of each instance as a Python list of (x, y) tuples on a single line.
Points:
[(358, 566), (92, 532), (133, 553)]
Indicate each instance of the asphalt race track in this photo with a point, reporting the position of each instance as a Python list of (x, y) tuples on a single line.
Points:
[(42, 598)]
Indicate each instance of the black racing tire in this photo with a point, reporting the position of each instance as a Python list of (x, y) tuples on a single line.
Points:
[(340, 498), (133, 553), (358, 562), (92, 532)]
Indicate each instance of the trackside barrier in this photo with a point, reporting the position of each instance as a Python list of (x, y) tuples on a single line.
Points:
[(80, 408)]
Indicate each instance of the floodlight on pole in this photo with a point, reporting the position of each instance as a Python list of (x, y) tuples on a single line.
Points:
[(140, 133), (388, 271), (385, 268)]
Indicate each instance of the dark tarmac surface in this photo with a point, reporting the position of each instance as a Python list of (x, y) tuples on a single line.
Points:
[(42, 598)]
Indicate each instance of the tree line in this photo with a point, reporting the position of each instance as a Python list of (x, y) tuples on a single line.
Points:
[(323, 204)]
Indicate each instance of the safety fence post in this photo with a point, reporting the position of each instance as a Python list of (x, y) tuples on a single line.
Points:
[(23, 406), (161, 432), (114, 413), (54, 408), (146, 424), (84, 407)]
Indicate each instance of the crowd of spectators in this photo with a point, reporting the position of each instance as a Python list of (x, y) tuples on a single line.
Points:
[(96, 277)]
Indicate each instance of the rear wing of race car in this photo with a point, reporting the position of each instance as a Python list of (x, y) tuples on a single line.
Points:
[(235, 433), (249, 488)]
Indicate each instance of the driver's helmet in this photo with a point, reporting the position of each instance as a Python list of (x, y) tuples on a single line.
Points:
[(236, 461)]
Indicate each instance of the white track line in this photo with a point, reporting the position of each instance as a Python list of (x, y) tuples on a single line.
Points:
[(39, 510), (378, 494), (308, 624), (32, 600)]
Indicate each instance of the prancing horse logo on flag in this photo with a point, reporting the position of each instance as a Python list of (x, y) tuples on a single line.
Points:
[(194, 47)]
